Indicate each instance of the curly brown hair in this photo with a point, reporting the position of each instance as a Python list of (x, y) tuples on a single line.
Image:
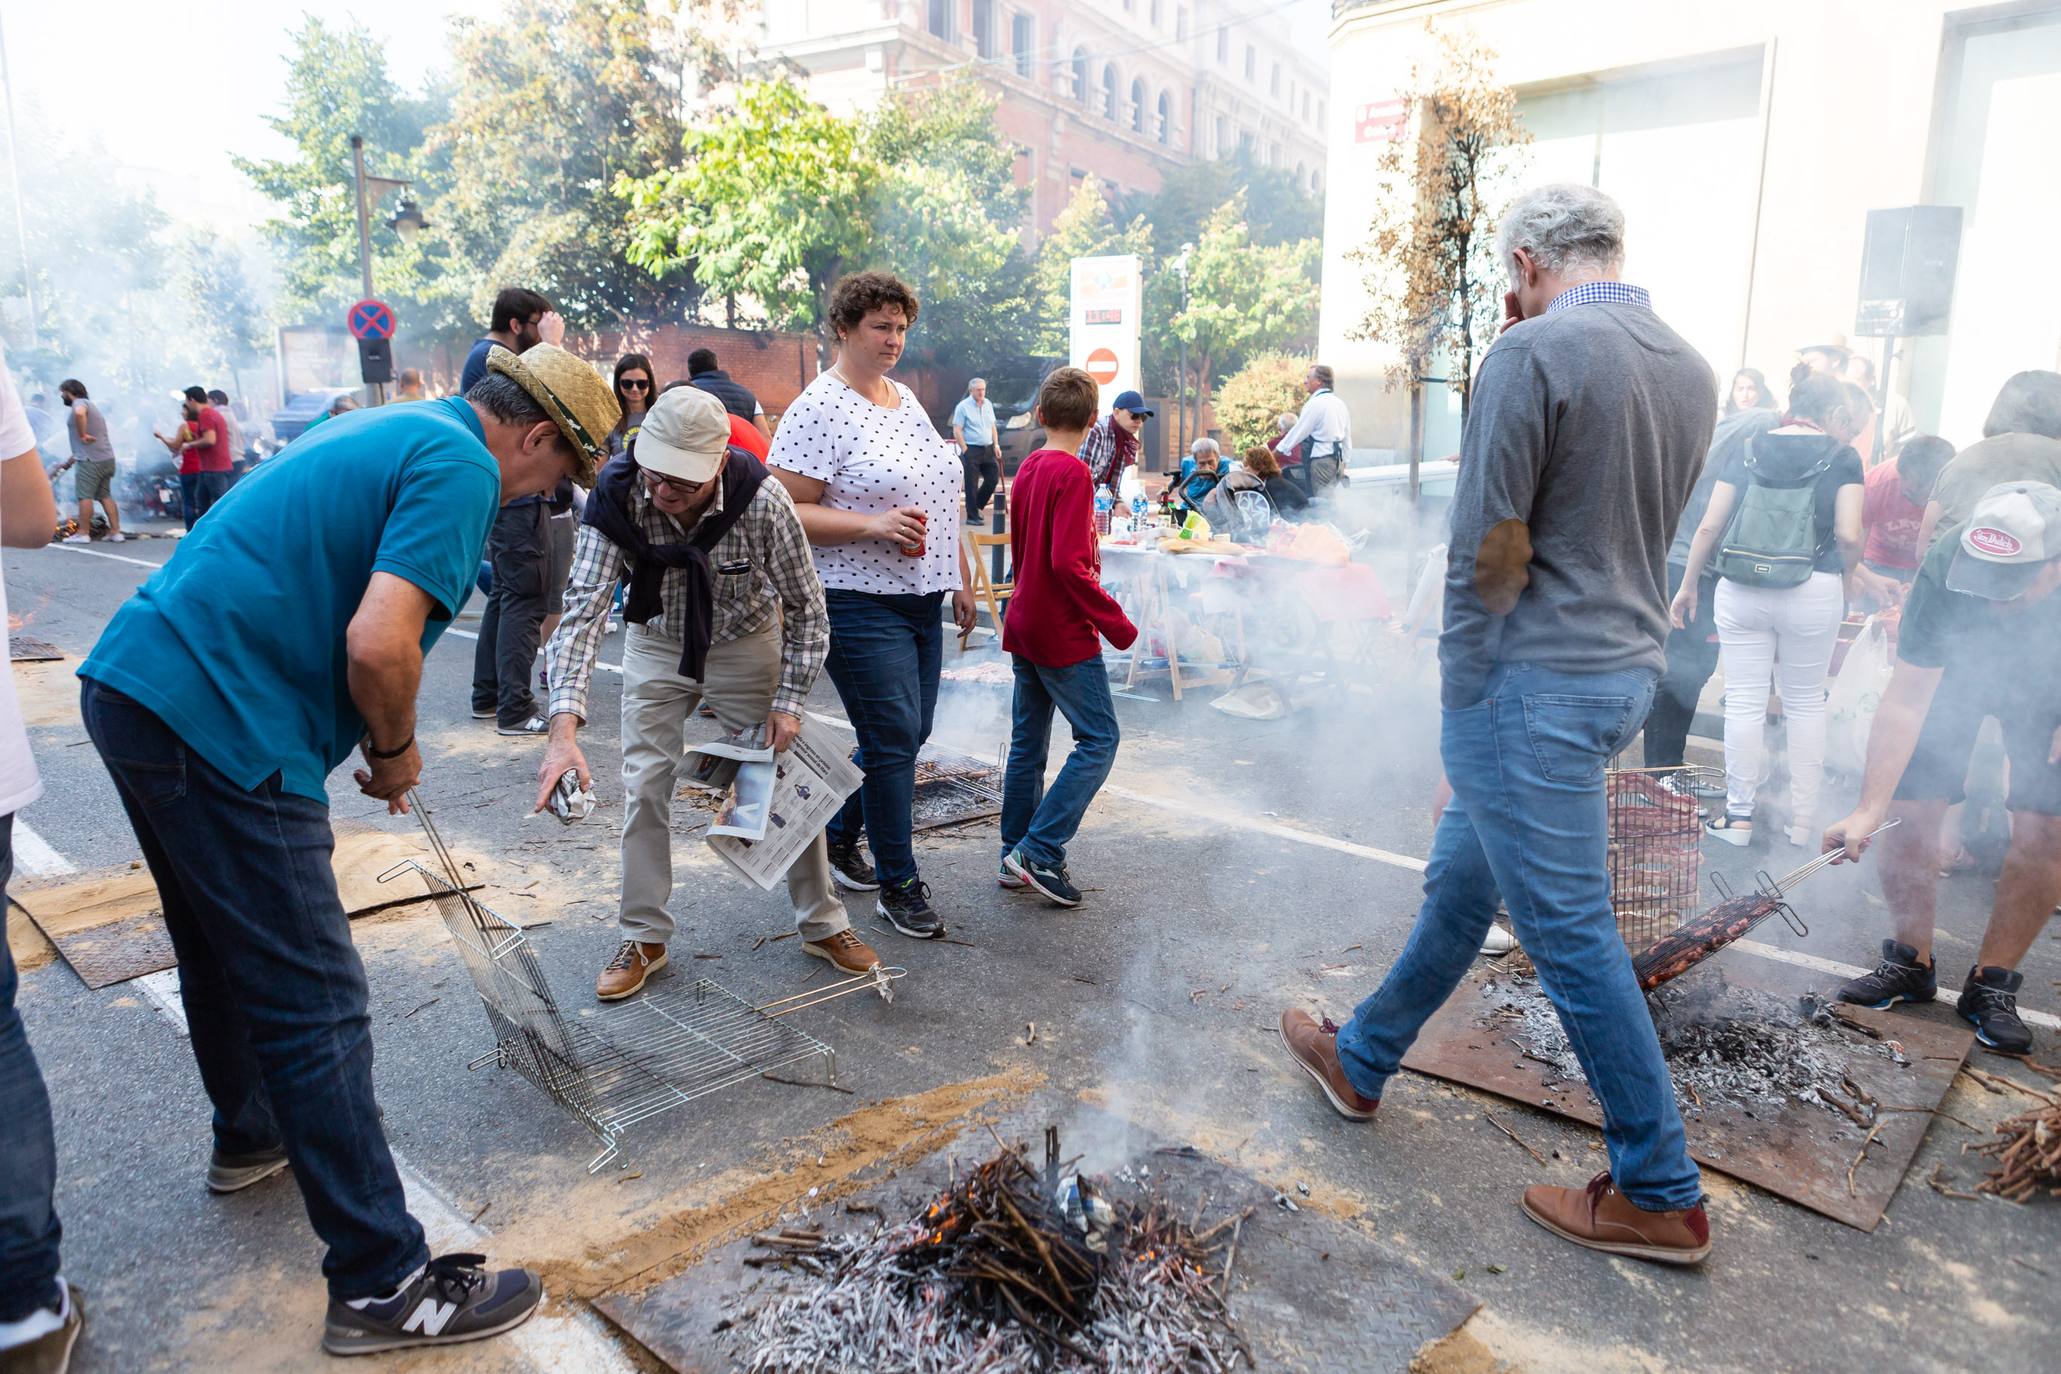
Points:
[(1261, 462), (854, 297)]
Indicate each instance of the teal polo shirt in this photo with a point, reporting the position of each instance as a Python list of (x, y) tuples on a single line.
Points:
[(238, 643)]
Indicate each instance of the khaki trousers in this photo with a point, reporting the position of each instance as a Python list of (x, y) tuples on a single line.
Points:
[(738, 683)]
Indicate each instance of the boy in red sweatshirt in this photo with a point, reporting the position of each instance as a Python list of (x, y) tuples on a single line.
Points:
[(1057, 619)]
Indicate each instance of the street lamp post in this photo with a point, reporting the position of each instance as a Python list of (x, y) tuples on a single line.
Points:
[(1181, 401), (372, 190)]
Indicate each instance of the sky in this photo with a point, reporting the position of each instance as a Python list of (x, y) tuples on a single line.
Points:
[(172, 88)]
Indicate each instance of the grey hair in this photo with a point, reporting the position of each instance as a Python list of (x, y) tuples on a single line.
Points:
[(1205, 445), (502, 397), (1325, 376), (1285, 421), (1563, 225), (977, 381)]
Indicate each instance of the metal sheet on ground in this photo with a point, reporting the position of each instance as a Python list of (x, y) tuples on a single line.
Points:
[(29, 649), (1309, 1293), (1801, 1153)]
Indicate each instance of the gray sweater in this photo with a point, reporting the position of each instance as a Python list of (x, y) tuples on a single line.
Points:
[(1588, 426)]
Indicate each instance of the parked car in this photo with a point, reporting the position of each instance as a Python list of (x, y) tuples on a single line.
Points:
[(301, 409)]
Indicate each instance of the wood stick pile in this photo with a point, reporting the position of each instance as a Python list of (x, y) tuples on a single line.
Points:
[(2028, 1155)]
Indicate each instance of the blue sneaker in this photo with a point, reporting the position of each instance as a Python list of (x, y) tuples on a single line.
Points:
[(1005, 876), (1049, 880), (1898, 978)]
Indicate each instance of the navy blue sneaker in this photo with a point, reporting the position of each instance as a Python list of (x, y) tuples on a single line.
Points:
[(1898, 978), (1049, 880), (1990, 1004), (455, 1298)]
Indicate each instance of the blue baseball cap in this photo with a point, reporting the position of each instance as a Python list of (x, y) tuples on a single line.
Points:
[(1131, 401)]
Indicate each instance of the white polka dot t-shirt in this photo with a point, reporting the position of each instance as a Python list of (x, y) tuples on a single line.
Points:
[(872, 459)]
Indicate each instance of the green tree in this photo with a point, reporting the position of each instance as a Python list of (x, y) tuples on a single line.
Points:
[(337, 85), (552, 102), (1250, 398), (1084, 229), (1241, 299), (228, 315), (1278, 209), (767, 202)]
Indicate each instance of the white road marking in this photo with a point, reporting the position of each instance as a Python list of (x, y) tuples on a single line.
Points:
[(1812, 961), (34, 856), (117, 557), (469, 634)]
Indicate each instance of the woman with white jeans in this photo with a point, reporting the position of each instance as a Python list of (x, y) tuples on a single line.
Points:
[(1778, 609)]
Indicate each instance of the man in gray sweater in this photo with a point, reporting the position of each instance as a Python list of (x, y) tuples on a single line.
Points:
[(1589, 421)]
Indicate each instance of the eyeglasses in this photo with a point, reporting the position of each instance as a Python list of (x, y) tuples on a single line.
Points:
[(675, 485), (635, 384)]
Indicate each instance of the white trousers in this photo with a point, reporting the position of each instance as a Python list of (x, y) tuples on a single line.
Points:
[(738, 681), (1789, 631)]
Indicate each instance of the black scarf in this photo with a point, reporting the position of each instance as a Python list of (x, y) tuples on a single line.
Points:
[(610, 511)]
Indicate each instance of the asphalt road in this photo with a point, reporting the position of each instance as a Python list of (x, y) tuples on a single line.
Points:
[(1233, 867)]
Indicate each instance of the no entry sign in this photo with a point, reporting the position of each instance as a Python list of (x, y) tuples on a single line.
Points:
[(370, 319), (1102, 366)]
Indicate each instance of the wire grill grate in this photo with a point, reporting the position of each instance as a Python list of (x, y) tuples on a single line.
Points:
[(1656, 849)]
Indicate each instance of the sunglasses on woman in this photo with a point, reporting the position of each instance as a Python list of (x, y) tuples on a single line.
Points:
[(635, 383)]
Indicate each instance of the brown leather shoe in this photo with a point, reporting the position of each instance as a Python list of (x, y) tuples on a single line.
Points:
[(625, 974), (846, 950), (1313, 1045), (1602, 1218)]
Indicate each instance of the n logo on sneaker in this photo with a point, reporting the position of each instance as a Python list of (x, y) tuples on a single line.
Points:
[(430, 1317)]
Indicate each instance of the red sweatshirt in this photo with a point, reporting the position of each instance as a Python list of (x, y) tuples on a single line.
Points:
[(1058, 608)]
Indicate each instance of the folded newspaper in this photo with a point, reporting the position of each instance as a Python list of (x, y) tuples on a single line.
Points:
[(776, 805)]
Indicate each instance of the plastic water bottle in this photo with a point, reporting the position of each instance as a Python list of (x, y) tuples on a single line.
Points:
[(1105, 502), (1139, 505)]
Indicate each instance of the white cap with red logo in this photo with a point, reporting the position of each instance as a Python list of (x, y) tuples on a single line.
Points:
[(2015, 530)]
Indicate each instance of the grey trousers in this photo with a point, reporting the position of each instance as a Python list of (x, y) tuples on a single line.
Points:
[(738, 683)]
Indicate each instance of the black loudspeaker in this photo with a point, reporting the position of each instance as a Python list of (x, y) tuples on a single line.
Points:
[(1907, 271), (376, 360)]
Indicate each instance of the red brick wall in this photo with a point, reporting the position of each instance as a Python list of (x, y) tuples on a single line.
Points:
[(776, 366)]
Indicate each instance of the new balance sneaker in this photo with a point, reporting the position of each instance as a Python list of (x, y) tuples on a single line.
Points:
[(535, 725), (851, 870), (454, 1298), (233, 1173), (41, 1343), (1990, 1003), (1602, 1218), (906, 905), (844, 949), (483, 713), (1898, 978), (1048, 880)]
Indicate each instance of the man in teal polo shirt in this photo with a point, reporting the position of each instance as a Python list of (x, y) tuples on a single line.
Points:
[(286, 633)]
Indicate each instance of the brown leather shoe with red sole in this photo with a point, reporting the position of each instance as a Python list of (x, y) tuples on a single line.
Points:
[(1601, 1218), (1313, 1045)]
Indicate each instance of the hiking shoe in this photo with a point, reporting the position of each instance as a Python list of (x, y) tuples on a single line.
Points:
[(1048, 880), (850, 869), (1313, 1045), (1602, 1218), (535, 725), (846, 950), (233, 1173), (1898, 978), (453, 1299), (906, 905), (1736, 831), (57, 1330), (625, 974), (1990, 1003)]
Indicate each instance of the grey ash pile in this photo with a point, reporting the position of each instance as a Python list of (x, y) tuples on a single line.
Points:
[(1726, 1046)]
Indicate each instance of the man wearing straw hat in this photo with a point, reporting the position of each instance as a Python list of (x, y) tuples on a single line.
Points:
[(220, 730)]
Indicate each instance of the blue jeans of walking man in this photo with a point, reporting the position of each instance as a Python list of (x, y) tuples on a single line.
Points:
[(885, 655), (29, 1229), (1529, 820), (274, 991), (1040, 820)]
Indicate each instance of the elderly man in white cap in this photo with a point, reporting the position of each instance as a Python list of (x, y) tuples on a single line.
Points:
[(724, 606)]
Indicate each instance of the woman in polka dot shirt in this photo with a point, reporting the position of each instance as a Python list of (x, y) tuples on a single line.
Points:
[(878, 494)]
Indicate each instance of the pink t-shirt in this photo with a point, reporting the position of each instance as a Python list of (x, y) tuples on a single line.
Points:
[(1890, 520)]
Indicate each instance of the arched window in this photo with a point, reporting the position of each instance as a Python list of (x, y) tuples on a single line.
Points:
[(1109, 88), (1080, 75), (1138, 105), (1166, 118)]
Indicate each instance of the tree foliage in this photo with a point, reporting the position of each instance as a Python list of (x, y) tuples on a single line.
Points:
[(229, 319), (1084, 229), (1430, 262), (1278, 209), (1251, 397), (1241, 299)]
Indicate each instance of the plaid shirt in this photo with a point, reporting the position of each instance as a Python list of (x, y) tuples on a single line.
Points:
[(1600, 292), (1099, 451), (778, 582)]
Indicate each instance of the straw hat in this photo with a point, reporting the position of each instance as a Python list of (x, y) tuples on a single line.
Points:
[(573, 394)]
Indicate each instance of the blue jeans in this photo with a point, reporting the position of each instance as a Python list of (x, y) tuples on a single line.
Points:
[(1039, 820), (1528, 819), (29, 1231), (273, 989), (504, 661), (885, 653), (189, 498)]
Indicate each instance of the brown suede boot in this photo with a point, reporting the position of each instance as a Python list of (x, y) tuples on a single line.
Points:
[(1313, 1045), (625, 974), (1602, 1218)]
